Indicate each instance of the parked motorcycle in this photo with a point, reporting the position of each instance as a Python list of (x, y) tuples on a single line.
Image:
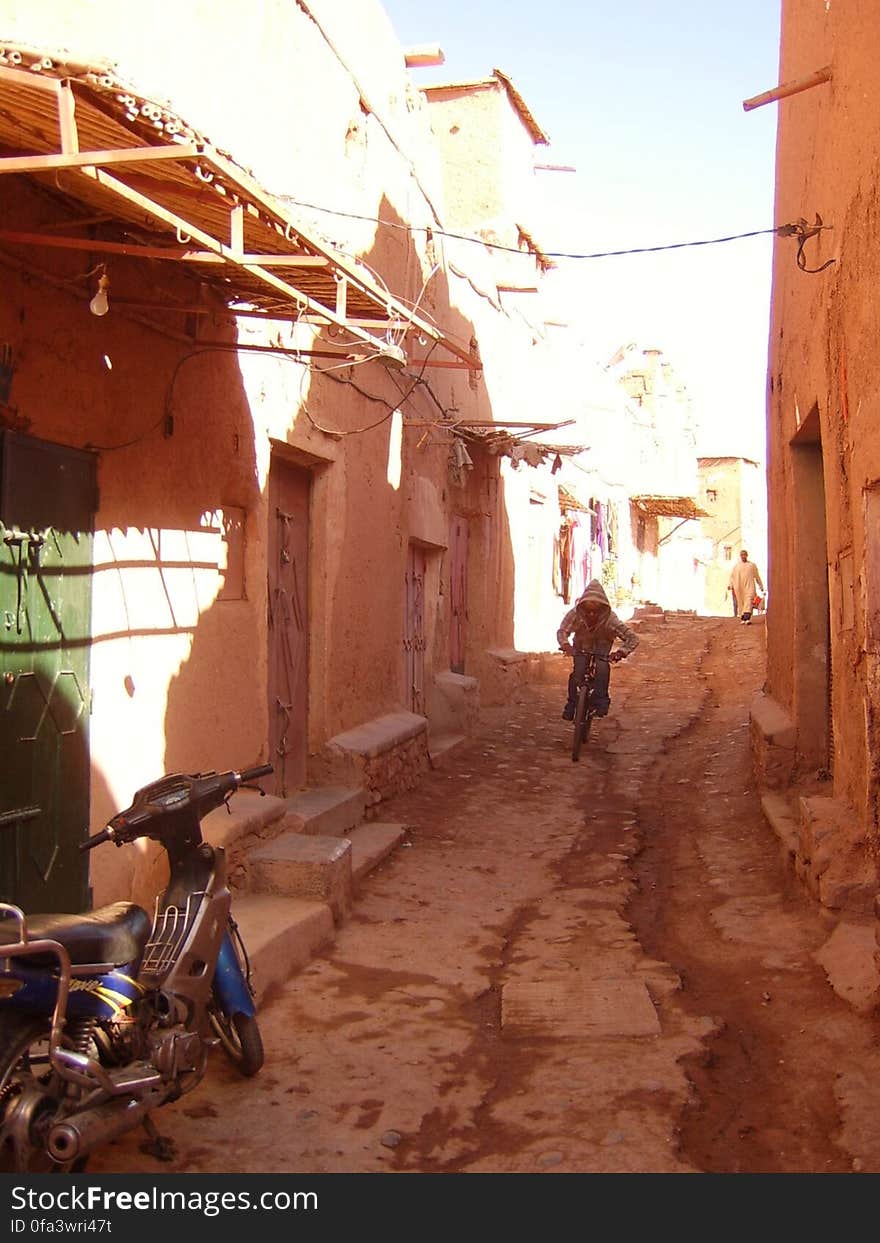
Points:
[(105, 1016)]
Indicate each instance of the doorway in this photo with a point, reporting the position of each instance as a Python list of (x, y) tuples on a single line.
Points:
[(414, 637), (288, 577), (458, 558), (812, 642), (48, 499)]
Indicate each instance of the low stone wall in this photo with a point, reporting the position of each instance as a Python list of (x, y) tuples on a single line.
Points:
[(383, 757), (832, 859), (773, 742), (504, 671)]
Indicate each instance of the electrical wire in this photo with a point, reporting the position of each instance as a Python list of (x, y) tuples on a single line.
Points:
[(357, 431), (287, 356), (780, 230)]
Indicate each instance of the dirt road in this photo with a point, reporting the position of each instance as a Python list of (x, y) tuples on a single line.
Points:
[(601, 966)]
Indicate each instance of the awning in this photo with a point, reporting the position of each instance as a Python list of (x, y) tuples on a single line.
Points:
[(568, 500), (668, 506), (137, 181)]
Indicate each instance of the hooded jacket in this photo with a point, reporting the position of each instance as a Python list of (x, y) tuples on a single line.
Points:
[(609, 627)]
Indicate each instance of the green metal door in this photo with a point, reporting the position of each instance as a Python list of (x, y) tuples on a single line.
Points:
[(47, 507)]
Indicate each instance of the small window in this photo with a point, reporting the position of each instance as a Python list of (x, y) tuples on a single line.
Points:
[(711, 494), (728, 552), (231, 568)]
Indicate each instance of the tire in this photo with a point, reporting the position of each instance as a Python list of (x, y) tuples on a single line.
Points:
[(240, 1038), (239, 1034), (30, 1099), (581, 723)]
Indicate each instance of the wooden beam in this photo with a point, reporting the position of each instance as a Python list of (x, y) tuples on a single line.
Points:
[(179, 255), (788, 88), (98, 159), (455, 363)]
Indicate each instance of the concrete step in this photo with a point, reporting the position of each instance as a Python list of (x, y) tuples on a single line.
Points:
[(783, 821), (304, 865), (320, 868), (281, 936), (284, 930), (370, 844), (246, 815), (327, 811), (441, 747)]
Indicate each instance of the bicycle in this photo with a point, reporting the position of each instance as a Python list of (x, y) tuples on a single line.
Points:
[(584, 713)]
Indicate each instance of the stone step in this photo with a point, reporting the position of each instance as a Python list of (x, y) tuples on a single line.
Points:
[(281, 936), (782, 820), (246, 815), (441, 747), (370, 844), (304, 865), (282, 931), (327, 811), (320, 868)]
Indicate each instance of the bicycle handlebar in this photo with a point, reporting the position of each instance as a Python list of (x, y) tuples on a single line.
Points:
[(609, 656)]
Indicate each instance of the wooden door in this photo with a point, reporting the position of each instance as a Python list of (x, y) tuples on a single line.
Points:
[(458, 556), (47, 504), (288, 575), (414, 637)]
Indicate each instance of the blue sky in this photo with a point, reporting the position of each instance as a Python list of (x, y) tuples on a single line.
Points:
[(645, 100)]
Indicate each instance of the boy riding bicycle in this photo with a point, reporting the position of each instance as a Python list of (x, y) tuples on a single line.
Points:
[(593, 627)]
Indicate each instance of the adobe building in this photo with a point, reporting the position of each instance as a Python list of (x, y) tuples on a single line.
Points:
[(816, 731), (247, 508), (733, 495), (663, 553)]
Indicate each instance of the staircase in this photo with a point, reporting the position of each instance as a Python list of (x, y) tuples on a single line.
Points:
[(295, 866)]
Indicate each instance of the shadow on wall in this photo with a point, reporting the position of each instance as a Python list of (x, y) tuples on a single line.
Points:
[(372, 521)]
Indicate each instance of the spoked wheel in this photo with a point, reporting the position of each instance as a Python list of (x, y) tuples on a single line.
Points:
[(582, 720), (239, 1034), (240, 1037), (30, 1099)]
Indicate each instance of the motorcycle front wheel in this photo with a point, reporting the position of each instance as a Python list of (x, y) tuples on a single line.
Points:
[(30, 1099), (239, 1035)]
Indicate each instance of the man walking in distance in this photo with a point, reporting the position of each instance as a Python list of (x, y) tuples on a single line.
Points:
[(744, 583)]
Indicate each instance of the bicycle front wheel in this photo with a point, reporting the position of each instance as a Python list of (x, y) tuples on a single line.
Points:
[(581, 722)]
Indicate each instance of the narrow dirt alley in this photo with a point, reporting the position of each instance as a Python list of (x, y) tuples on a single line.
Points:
[(600, 966)]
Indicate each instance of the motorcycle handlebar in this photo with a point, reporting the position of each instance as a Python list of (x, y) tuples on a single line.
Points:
[(202, 792), (95, 840)]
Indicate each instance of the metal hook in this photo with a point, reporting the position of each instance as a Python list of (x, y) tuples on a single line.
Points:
[(804, 233)]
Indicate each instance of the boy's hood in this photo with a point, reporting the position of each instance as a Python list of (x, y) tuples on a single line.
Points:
[(594, 592)]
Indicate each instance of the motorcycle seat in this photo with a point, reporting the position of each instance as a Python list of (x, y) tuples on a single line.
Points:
[(114, 934)]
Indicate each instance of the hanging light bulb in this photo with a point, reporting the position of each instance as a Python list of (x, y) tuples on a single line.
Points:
[(100, 305)]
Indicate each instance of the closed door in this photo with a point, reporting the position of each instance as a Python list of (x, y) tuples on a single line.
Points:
[(288, 574), (47, 506), (414, 638), (458, 554)]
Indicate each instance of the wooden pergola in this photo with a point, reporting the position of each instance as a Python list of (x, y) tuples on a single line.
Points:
[(138, 182)]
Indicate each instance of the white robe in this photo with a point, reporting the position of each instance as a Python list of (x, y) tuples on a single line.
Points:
[(745, 579)]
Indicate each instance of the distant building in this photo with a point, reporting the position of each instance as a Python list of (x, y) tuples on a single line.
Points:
[(732, 493)]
